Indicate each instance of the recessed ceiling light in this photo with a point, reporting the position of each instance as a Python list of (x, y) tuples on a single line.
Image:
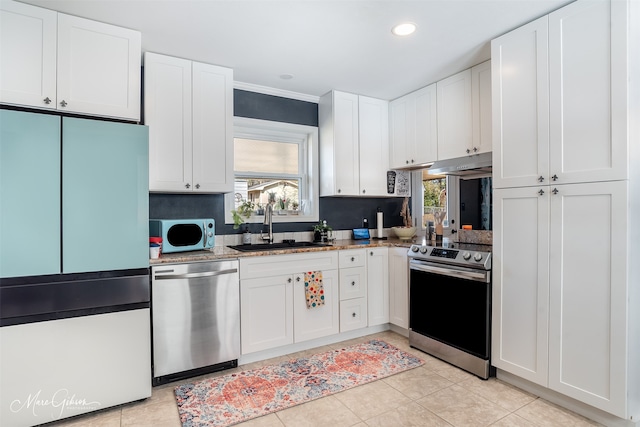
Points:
[(286, 76), (404, 29)]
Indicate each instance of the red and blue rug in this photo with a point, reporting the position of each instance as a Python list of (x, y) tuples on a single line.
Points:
[(239, 397)]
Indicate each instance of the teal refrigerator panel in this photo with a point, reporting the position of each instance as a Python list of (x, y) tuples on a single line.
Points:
[(105, 196), (29, 194)]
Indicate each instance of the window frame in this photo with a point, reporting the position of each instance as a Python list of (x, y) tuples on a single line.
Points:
[(309, 183)]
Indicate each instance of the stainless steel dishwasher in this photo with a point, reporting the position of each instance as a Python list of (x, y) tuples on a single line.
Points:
[(195, 319)]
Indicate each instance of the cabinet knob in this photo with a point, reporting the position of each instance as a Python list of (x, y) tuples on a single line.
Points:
[(63, 103), (475, 149), (352, 259), (187, 185), (541, 192), (353, 283), (468, 151), (541, 178), (339, 190), (554, 177), (364, 191), (555, 191), (298, 279), (47, 100), (406, 161), (353, 315), (371, 253), (412, 160), (289, 280), (197, 185)]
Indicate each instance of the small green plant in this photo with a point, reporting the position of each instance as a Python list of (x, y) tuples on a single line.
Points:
[(242, 213)]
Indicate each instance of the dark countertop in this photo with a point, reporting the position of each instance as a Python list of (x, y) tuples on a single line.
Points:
[(224, 252)]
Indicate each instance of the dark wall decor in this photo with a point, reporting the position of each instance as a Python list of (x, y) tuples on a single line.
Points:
[(342, 213)]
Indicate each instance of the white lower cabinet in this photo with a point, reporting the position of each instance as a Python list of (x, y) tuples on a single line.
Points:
[(353, 289), (273, 308), (377, 286), (560, 297), (399, 287)]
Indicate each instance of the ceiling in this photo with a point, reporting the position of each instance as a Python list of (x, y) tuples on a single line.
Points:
[(345, 45)]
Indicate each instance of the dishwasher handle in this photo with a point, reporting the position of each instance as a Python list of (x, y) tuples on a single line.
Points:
[(196, 275)]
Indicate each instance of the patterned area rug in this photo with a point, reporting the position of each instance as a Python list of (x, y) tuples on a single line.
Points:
[(238, 397)]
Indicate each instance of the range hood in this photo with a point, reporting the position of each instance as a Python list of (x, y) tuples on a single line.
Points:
[(460, 166)]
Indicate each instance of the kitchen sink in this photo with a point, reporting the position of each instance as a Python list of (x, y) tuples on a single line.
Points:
[(276, 246)]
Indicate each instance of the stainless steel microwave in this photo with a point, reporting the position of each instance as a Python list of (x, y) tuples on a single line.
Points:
[(182, 235)]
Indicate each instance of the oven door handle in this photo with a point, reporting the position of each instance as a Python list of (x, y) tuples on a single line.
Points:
[(448, 271)]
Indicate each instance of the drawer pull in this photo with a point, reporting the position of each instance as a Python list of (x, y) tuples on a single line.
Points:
[(353, 315)]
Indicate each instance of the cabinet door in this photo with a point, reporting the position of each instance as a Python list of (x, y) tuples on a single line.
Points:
[(481, 107), (377, 286), (520, 100), (167, 100), (588, 327), (316, 322), (399, 287), (588, 92), (521, 282), (402, 130), (212, 128), (30, 194), (105, 196), (454, 115), (266, 313), (425, 143), (373, 148), (27, 55), (347, 163), (98, 68)]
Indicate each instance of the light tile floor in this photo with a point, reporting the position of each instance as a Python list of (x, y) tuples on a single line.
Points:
[(435, 394)]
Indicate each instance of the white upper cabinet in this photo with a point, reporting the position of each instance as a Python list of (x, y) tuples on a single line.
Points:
[(413, 129), (454, 116), (560, 98), (28, 55), (55, 61), (189, 111), (588, 92), (481, 140), (354, 140), (520, 88)]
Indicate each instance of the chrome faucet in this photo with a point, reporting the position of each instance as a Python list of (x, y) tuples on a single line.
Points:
[(268, 220)]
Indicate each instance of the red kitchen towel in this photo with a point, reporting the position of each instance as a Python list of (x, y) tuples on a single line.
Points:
[(313, 289)]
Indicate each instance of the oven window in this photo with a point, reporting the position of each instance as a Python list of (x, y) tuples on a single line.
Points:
[(451, 310)]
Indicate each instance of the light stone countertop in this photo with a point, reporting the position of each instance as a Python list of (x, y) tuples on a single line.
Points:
[(224, 252)]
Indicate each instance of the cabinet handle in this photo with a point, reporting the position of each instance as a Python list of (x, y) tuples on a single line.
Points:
[(371, 253), (541, 178), (412, 160), (339, 190), (47, 100), (468, 151), (352, 259), (353, 315), (63, 103), (187, 185), (541, 192), (475, 149), (555, 191), (353, 283), (364, 191), (406, 161), (289, 280), (298, 279), (197, 185), (554, 177)]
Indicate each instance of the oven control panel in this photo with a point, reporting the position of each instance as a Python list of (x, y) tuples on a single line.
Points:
[(466, 255)]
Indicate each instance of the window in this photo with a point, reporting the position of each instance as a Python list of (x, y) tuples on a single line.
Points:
[(433, 194), (278, 161)]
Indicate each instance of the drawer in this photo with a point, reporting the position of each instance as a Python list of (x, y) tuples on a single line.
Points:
[(353, 314), (353, 283), (255, 267), (352, 258)]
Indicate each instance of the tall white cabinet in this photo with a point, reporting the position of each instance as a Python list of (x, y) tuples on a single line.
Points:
[(354, 143), (55, 61), (189, 111), (565, 294)]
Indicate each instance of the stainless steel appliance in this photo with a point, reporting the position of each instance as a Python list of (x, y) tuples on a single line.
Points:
[(195, 318), (450, 304)]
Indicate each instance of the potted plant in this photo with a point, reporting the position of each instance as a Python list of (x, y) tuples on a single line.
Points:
[(322, 232), (294, 206), (242, 213)]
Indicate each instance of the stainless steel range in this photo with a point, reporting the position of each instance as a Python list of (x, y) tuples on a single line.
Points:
[(450, 304)]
